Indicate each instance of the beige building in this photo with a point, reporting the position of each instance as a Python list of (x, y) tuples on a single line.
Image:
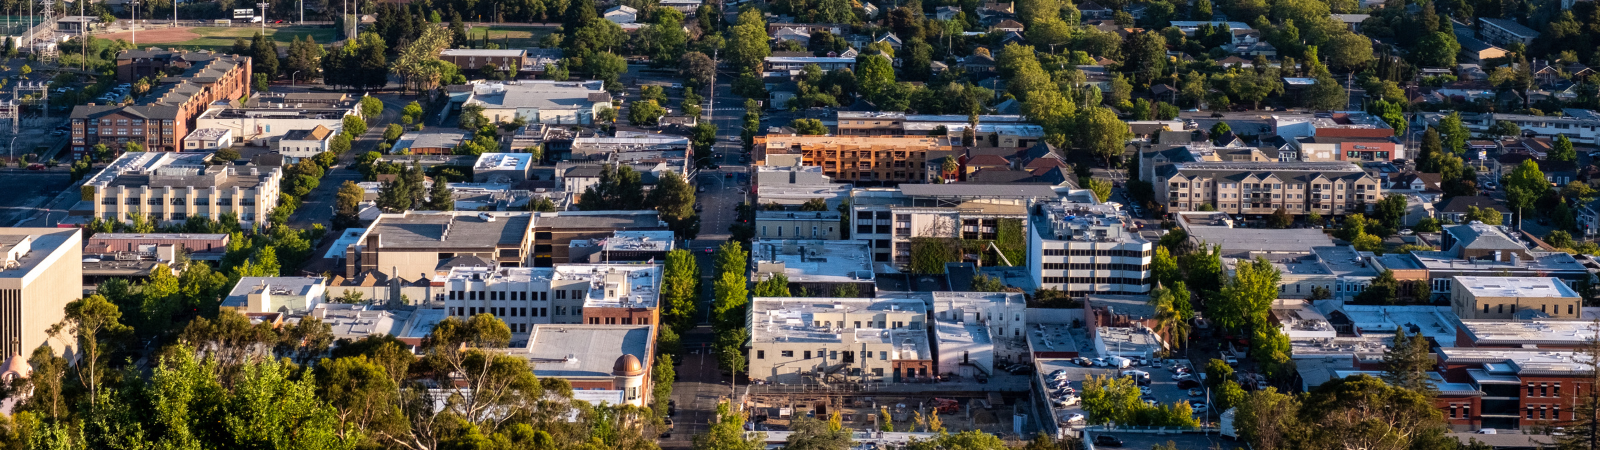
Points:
[(42, 272), (797, 225), (796, 340), (889, 159), (412, 245), (171, 187), (1506, 298), (1260, 188)]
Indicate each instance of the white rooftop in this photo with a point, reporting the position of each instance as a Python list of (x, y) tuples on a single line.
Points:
[(813, 259), (793, 319), (610, 285), (1536, 332), (504, 161), (1516, 287)]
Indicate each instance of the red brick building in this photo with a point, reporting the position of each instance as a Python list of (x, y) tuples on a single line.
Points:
[(161, 118), (1520, 388)]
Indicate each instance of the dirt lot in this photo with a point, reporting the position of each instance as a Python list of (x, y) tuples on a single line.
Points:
[(157, 36)]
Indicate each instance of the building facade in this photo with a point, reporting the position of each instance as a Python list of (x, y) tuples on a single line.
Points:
[(594, 294), (42, 272), (804, 341), (1083, 249), (171, 187), (858, 159), (162, 118), (1261, 188)]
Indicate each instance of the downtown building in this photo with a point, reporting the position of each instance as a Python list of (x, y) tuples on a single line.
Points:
[(160, 119), (1084, 248)]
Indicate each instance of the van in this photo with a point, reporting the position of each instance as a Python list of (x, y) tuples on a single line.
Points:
[(1119, 362)]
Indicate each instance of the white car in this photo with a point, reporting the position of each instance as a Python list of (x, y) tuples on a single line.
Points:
[(1075, 418), (1182, 376), (1200, 408), (1144, 390), (1101, 362)]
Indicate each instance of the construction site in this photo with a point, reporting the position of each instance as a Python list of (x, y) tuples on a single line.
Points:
[(951, 410)]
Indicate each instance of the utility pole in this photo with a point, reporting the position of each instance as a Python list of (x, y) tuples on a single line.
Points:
[(263, 6), (134, 23)]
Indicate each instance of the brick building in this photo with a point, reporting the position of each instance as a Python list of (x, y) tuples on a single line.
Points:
[(898, 159), (161, 118)]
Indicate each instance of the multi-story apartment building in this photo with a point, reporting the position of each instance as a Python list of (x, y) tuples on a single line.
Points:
[(595, 294), (858, 159), (161, 119), (798, 340), (1517, 388), (1260, 188), (889, 218), (170, 187), (1504, 298), (1503, 32), (413, 245), (40, 272), (991, 131), (1086, 248)]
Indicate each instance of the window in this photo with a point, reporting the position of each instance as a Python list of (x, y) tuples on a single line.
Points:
[(833, 354), (883, 356), (807, 354), (761, 354)]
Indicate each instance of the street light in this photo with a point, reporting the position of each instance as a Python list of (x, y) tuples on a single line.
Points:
[(291, 77), (13, 148), (263, 6), (133, 23)]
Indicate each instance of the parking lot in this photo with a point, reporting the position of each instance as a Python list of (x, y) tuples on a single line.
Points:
[(1161, 388)]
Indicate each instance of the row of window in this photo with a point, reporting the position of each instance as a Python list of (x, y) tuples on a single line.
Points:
[(508, 295), (469, 311), (881, 324), (1095, 280), (121, 122), (246, 216), (1092, 266), (178, 201), (1099, 252), (829, 354), (1207, 184)]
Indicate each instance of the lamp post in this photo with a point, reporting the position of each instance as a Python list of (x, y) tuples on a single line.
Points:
[(13, 148), (263, 6), (291, 77), (133, 24)]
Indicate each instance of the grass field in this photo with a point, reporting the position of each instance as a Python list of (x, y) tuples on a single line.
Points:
[(221, 38), (507, 37)]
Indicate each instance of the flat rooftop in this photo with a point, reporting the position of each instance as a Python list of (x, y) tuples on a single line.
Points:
[(1432, 321), (1052, 337), (26, 249), (356, 321), (584, 351), (1084, 222), (431, 139), (137, 169), (541, 94), (1536, 332), (813, 260), (503, 161), (1544, 287), (586, 220), (1119, 340), (1545, 262), (1513, 361), (1235, 241), (792, 319), (452, 229), (610, 285)]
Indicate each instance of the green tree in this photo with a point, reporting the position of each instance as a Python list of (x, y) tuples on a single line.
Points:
[(1363, 412), (1104, 134), (1455, 134), (812, 127), (1247, 298), (1562, 150), (874, 75), (776, 285), (96, 325), (680, 288), (439, 197), (1164, 267), (646, 113), (727, 433), (674, 199), (1408, 362)]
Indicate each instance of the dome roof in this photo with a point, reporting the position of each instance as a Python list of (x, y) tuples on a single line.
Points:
[(627, 366), (16, 367)]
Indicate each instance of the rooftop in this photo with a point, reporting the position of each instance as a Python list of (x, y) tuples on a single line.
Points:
[(207, 134), (357, 321), (495, 53), (638, 241), (28, 248), (1069, 220), (1517, 361), (1523, 333), (1374, 320), (1051, 337), (541, 94), (1239, 241), (793, 319), (1128, 341), (610, 285), (1516, 287), (137, 169), (813, 260), (584, 351), (452, 229), (430, 139), (503, 161)]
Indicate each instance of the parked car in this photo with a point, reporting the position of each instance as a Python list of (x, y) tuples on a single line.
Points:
[(1200, 408), (36, 166), (1182, 376), (1106, 440), (1075, 418), (1188, 384), (1197, 393)]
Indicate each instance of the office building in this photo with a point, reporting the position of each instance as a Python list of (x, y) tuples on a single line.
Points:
[(821, 267), (975, 331), (40, 273), (890, 218), (797, 225), (412, 245), (1508, 298), (609, 364), (540, 101), (595, 294), (276, 294), (1086, 248), (171, 187), (810, 341)]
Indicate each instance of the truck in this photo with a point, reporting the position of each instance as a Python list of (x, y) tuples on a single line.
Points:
[(1119, 362), (1225, 424)]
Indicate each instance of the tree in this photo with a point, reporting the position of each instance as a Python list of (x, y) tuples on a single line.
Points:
[(1562, 150), (1280, 219), (95, 324), (696, 68), (1382, 291), (1170, 322), (1221, 128), (1363, 412), (874, 74), (674, 198), (646, 113), (727, 433), (748, 45), (812, 434), (1269, 420), (439, 198), (1455, 134), (985, 283), (1164, 267), (619, 188), (811, 127), (1247, 298), (264, 56), (354, 126), (1408, 362), (1104, 134), (814, 205)]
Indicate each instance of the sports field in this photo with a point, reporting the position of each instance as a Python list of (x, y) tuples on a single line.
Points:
[(509, 36), (221, 38)]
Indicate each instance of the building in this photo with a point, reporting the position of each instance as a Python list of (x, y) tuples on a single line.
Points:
[(858, 159), (77, 25), (505, 168), (1480, 250), (611, 362), (42, 273), (276, 294), (262, 124), (414, 244), (1086, 248), (622, 14), (198, 246), (540, 101), (1261, 188), (1503, 32), (523, 297), (1217, 228), (162, 118), (827, 64), (300, 144), (554, 232), (626, 148), (823, 225), (208, 139), (792, 186), (170, 187), (636, 247), (839, 268), (429, 142), (1579, 128), (974, 331), (1517, 388), (891, 217), (1457, 208), (798, 341), (1004, 131), (1357, 149), (494, 59), (1480, 298), (1538, 333)]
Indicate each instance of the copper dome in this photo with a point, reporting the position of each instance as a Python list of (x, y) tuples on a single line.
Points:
[(627, 366)]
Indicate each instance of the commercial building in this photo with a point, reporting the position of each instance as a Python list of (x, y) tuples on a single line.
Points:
[(198, 246), (208, 139), (163, 117), (1086, 248), (798, 341), (595, 294), (973, 331), (991, 131), (1217, 228), (623, 247), (299, 144), (627, 148), (891, 217), (494, 59), (858, 159), (261, 124), (823, 225), (412, 245), (431, 142), (40, 271), (276, 294), (1506, 298), (1517, 388), (555, 232), (792, 186), (502, 168), (1353, 149), (1538, 333), (610, 362), (170, 187), (840, 268), (540, 101), (1482, 250), (1503, 32), (1261, 188)]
